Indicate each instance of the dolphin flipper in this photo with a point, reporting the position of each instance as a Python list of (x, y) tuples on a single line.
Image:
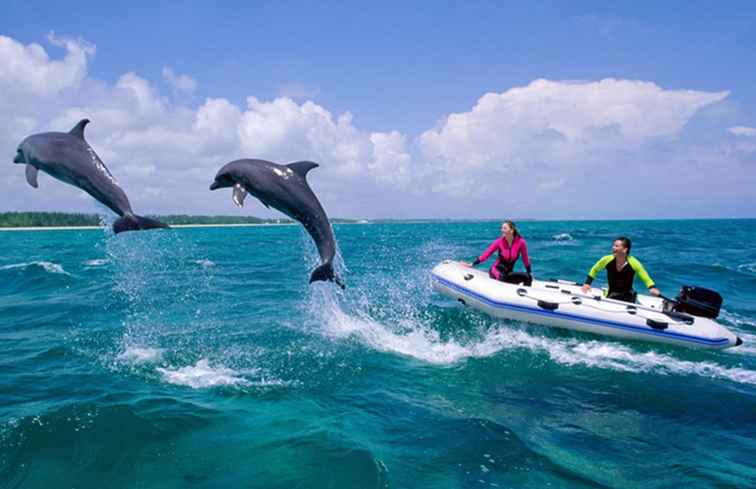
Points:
[(31, 175), (238, 195), (132, 222)]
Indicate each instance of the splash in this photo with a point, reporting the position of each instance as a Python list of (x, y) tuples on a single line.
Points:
[(202, 376), (562, 237), (97, 262), (395, 315), (423, 343), (205, 263), (140, 355)]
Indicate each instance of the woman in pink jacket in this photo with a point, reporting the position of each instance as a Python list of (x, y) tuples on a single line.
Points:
[(510, 246)]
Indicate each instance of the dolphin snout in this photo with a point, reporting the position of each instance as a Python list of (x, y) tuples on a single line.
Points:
[(19, 157), (215, 185)]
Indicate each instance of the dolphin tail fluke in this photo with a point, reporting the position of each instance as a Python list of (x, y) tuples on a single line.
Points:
[(325, 272), (132, 222)]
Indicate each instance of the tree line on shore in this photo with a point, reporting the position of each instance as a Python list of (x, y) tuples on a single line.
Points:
[(60, 219)]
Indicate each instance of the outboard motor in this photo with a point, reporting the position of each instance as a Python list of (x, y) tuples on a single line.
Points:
[(698, 301)]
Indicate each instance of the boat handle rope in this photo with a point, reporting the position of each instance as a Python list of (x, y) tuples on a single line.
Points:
[(632, 309)]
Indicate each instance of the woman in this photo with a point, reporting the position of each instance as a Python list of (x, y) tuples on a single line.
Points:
[(510, 247)]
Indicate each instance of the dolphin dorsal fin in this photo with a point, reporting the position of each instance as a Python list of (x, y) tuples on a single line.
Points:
[(302, 167), (78, 129)]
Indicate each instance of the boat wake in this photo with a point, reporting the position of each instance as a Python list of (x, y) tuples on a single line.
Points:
[(410, 325), (425, 344)]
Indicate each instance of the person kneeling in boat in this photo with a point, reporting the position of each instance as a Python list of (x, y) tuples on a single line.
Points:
[(510, 247), (621, 269)]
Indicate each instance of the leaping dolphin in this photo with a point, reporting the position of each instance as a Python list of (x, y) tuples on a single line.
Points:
[(285, 188), (69, 158)]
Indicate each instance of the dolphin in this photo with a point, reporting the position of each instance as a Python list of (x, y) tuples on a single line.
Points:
[(285, 188), (68, 157)]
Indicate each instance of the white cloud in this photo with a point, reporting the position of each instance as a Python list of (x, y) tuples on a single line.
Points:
[(743, 131), (543, 138), (283, 130), (550, 120), (28, 70), (181, 83), (390, 162)]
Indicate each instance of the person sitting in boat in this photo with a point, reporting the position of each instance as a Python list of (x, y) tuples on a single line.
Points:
[(510, 247), (621, 269)]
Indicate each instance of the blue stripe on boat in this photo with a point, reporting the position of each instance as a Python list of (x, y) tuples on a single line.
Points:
[(610, 324)]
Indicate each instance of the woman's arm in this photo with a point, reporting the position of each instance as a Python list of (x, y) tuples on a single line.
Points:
[(600, 265), (524, 254), (643, 274), (489, 251)]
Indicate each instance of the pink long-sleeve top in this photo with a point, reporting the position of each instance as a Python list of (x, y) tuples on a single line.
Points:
[(507, 254)]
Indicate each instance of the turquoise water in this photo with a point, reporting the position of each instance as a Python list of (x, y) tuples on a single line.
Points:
[(201, 358)]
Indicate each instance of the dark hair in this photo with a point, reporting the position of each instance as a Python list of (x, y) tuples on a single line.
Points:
[(625, 242), (515, 232)]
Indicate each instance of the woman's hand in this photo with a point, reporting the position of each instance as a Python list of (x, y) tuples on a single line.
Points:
[(586, 288), (654, 291), (466, 264)]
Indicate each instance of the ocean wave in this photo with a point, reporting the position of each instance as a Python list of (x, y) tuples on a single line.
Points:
[(140, 355), (748, 348), (737, 319), (97, 262), (562, 237), (747, 268), (45, 265), (205, 263), (201, 376)]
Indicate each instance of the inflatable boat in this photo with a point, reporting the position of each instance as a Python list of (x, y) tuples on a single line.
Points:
[(563, 304)]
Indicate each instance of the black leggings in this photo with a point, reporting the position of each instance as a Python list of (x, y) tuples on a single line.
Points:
[(516, 278), (628, 296)]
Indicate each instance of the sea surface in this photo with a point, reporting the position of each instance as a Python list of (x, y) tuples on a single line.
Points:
[(201, 358)]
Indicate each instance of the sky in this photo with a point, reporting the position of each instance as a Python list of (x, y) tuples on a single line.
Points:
[(547, 110)]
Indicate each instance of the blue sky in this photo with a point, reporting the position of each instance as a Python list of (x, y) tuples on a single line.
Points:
[(404, 68)]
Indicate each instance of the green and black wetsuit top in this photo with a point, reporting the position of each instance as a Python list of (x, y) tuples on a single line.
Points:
[(620, 281)]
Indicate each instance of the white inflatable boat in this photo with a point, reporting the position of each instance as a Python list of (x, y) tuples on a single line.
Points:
[(563, 304)]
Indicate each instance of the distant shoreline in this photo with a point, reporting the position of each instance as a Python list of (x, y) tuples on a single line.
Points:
[(84, 228)]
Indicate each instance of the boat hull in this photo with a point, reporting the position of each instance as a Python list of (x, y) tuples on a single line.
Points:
[(563, 305)]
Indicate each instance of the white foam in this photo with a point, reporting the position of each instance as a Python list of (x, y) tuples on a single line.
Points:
[(737, 319), (97, 262), (425, 344), (747, 268), (46, 265), (139, 355), (562, 237), (205, 263), (202, 375), (748, 348)]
